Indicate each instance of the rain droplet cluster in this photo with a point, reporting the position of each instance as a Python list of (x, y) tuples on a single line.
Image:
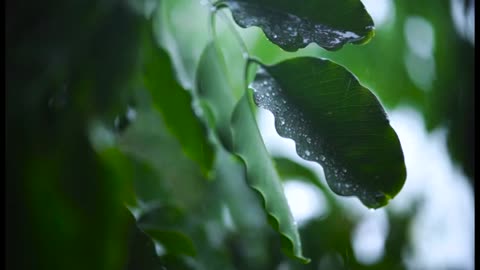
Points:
[(290, 122), (290, 31)]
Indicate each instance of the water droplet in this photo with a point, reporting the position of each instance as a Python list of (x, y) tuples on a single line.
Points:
[(306, 40), (307, 153), (309, 140), (275, 36), (284, 101), (268, 94), (344, 170), (282, 121), (322, 157)]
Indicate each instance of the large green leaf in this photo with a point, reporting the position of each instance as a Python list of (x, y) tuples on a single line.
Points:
[(174, 103), (261, 174), (293, 25), (237, 122), (337, 123)]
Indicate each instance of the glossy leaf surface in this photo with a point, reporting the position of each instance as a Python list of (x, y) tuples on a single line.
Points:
[(295, 24), (337, 123)]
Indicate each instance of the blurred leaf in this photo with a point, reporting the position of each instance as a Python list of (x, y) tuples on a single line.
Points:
[(174, 103), (216, 92), (181, 27), (165, 168), (66, 63), (293, 25), (262, 177), (337, 123)]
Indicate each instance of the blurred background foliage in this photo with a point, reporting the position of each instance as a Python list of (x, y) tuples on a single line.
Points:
[(109, 165)]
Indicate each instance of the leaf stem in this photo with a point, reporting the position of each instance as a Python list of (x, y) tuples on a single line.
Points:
[(217, 6)]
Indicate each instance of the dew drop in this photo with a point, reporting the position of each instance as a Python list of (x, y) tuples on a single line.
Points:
[(307, 153), (322, 157)]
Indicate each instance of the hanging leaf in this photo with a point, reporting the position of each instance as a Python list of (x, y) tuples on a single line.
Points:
[(262, 176), (237, 123), (293, 25), (337, 123)]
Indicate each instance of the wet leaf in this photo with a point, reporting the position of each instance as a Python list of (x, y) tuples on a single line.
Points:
[(337, 123), (293, 25)]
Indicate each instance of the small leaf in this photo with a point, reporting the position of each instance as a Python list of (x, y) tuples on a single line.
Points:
[(262, 176), (293, 25), (236, 127), (174, 103), (337, 123)]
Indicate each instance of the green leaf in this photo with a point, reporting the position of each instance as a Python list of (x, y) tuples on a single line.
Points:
[(247, 144), (262, 176), (337, 123), (212, 86), (293, 25), (174, 103)]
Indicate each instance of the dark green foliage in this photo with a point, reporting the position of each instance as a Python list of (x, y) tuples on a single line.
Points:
[(113, 162), (292, 25), (337, 123)]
